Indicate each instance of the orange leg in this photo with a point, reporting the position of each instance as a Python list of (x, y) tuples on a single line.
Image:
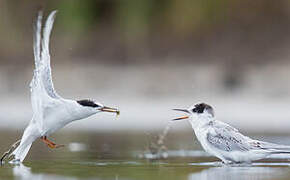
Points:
[(49, 143)]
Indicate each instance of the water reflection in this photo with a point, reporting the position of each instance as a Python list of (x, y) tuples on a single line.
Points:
[(229, 173), (253, 164), (170, 154), (22, 172), (143, 170), (77, 147)]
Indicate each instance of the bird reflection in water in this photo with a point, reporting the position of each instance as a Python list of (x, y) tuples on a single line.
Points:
[(23, 172)]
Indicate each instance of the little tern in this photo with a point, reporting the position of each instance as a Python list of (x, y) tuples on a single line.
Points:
[(225, 142), (51, 112)]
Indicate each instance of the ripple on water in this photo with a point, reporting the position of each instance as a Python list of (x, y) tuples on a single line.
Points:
[(255, 164), (135, 163), (240, 173)]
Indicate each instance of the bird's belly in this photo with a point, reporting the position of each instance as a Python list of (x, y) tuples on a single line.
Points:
[(54, 122), (209, 149), (201, 137), (51, 128), (243, 156)]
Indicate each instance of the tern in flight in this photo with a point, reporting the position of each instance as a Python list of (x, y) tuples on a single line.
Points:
[(51, 112), (225, 142)]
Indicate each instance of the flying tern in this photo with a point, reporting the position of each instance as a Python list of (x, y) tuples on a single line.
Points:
[(225, 142), (51, 112)]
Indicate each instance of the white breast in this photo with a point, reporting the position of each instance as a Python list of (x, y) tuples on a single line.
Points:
[(55, 116)]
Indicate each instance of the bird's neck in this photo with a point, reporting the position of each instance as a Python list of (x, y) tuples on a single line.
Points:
[(76, 111), (200, 120)]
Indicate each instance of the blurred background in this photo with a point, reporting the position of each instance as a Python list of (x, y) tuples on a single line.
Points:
[(147, 57)]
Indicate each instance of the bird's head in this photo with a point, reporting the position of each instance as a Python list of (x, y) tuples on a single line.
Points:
[(200, 110), (93, 107)]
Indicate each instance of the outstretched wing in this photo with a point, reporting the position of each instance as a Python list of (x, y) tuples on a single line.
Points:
[(227, 138), (45, 58), (42, 81), (41, 86), (36, 87)]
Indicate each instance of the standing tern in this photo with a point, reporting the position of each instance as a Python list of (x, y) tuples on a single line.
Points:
[(225, 142), (51, 112)]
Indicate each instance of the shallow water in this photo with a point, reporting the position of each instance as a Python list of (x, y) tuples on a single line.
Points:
[(126, 169), (126, 156)]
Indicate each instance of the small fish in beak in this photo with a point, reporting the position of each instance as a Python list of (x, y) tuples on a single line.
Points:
[(109, 109)]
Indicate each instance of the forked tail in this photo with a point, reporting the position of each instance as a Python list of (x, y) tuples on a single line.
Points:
[(8, 153), (29, 135), (274, 148), (21, 151)]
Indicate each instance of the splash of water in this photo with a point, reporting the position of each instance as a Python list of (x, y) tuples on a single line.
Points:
[(164, 133), (157, 149)]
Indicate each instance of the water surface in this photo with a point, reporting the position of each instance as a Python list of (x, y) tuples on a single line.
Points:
[(130, 155)]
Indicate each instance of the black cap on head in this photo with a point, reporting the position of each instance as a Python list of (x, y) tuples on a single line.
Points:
[(199, 108), (87, 102)]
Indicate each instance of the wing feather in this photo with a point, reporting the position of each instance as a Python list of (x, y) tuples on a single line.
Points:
[(35, 85), (36, 40), (45, 57), (227, 138), (224, 137), (41, 86), (272, 147)]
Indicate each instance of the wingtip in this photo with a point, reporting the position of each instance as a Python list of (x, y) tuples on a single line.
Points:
[(39, 15), (40, 8), (53, 13)]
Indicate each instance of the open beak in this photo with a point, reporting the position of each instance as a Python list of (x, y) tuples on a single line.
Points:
[(183, 117), (108, 109)]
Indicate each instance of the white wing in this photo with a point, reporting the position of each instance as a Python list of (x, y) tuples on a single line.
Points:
[(36, 85), (41, 86), (42, 81), (45, 57)]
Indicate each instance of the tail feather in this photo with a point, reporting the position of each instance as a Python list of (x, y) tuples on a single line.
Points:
[(280, 152), (274, 148), (21, 151), (29, 135)]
